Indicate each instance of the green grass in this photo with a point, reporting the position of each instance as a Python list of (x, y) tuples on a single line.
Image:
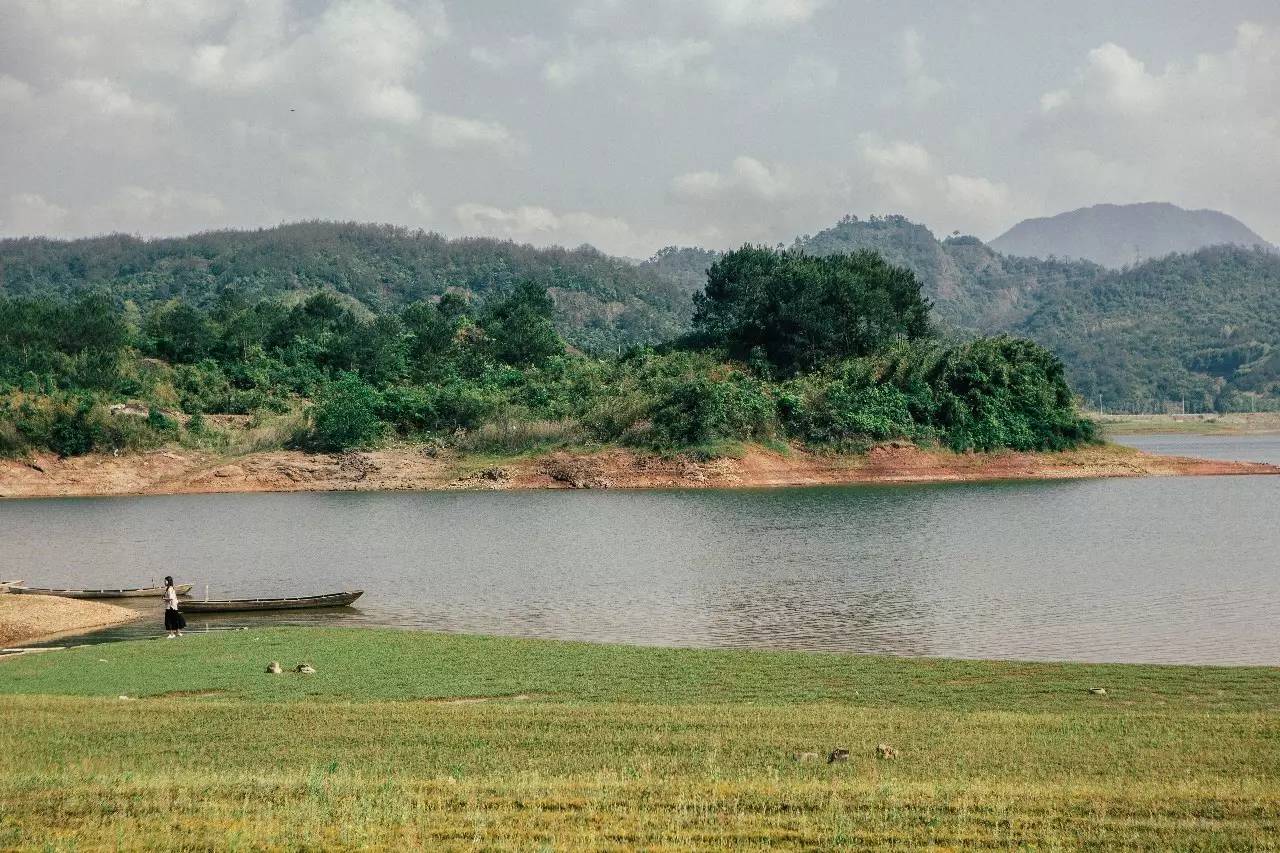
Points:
[(587, 746)]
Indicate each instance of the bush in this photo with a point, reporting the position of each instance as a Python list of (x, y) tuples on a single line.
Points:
[(346, 416), (705, 409)]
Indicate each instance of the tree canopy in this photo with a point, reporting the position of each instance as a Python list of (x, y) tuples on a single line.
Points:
[(800, 310)]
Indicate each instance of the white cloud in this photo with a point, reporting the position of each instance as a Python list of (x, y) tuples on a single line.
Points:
[(650, 60), (513, 52), (762, 14), (542, 226), (921, 87), (1201, 132), (452, 132), (13, 91), (108, 98), (748, 177), (808, 77), (898, 157), (31, 213)]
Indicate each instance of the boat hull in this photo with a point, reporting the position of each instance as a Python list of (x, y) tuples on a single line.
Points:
[(141, 592), (310, 602)]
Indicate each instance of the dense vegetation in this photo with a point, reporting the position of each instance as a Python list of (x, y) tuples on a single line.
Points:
[(1201, 328), (831, 352), (1122, 334), (601, 302)]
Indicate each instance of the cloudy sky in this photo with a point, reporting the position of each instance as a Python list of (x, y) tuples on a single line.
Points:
[(630, 125)]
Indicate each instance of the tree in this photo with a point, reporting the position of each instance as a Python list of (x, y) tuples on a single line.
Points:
[(801, 311), (518, 328)]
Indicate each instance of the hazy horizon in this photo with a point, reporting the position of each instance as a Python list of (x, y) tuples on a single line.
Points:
[(629, 125)]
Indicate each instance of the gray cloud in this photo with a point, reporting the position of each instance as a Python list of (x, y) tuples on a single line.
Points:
[(628, 124)]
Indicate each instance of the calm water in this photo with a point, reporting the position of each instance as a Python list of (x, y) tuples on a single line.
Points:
[(1171, 569), (1249, 448)]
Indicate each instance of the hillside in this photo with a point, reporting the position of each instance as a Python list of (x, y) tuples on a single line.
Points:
[(1119, 235), (602, 302), (1204, 326), (973, 288)]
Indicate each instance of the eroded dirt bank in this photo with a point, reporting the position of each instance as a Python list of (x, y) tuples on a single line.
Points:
[(184, 472), (25, 618)]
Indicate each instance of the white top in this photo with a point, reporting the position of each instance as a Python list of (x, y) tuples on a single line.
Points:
[(170, 598)]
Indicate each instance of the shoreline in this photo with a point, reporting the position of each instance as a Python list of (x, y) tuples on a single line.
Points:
[(26, 619), (407, 468)]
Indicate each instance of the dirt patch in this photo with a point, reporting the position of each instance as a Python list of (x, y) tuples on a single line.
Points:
[(27, 618), (408, 468)]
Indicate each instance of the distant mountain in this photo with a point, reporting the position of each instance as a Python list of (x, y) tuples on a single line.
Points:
[(1119, 235)]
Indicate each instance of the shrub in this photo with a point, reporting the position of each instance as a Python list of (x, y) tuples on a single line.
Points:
[(346, 416)]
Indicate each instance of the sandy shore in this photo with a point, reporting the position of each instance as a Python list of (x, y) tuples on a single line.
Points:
[(28, 618), (408, 468)]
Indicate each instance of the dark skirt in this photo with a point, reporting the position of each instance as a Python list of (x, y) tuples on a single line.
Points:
[(174, 620)]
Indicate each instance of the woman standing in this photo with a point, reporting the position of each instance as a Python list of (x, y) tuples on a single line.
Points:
[(174, 621)]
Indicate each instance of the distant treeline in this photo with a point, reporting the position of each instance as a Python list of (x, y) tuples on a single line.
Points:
[(833, 352), (1203, 327)]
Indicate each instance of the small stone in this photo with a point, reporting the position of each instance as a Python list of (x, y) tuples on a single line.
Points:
[(805, 757), (886, 752), (838, 755), (305, 669), (274, 668), (1098, 691)]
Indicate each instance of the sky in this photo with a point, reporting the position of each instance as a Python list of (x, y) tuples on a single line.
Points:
[(630, 125)]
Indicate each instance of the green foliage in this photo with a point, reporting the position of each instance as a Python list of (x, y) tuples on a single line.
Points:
[(519, 329), (802, 311), (346, 416), (847, 334)]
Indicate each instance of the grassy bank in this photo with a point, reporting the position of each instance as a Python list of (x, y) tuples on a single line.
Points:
[(408, 738), (1238, 423)]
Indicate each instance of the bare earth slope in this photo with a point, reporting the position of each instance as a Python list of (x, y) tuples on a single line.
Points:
[(184, 472)]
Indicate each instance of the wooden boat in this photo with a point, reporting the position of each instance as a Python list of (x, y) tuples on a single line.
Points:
[(307, 602), (4, 585), (140, 592)]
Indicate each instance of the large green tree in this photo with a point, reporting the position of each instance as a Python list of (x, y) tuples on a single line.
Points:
[(800, 311)]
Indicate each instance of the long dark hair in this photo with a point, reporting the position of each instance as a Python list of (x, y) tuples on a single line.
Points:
[(168, 580)]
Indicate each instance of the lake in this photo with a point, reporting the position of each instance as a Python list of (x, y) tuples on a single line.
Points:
[(1160, 569)]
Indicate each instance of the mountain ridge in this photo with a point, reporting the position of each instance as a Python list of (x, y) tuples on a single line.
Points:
[(1121, 235)]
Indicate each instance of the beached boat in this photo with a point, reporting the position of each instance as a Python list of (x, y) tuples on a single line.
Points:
[(4, 585), (139, 592), (307, 602)]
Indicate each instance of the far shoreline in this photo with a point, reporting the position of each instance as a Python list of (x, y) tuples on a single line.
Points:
[(411, 468)]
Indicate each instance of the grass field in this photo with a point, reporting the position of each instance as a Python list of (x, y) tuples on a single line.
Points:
[(407, 739), (1238, 423)]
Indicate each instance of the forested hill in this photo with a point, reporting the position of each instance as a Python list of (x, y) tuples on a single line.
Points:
[(1203, 326), (601, 302), (973, 288), (1120, 235)]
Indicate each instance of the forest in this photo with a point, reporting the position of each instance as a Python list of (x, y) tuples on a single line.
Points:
[(1198, 327), (831, 352)]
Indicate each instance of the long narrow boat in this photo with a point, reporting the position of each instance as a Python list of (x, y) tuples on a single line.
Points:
[(139, 592), (308, 602), (4, 585)]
